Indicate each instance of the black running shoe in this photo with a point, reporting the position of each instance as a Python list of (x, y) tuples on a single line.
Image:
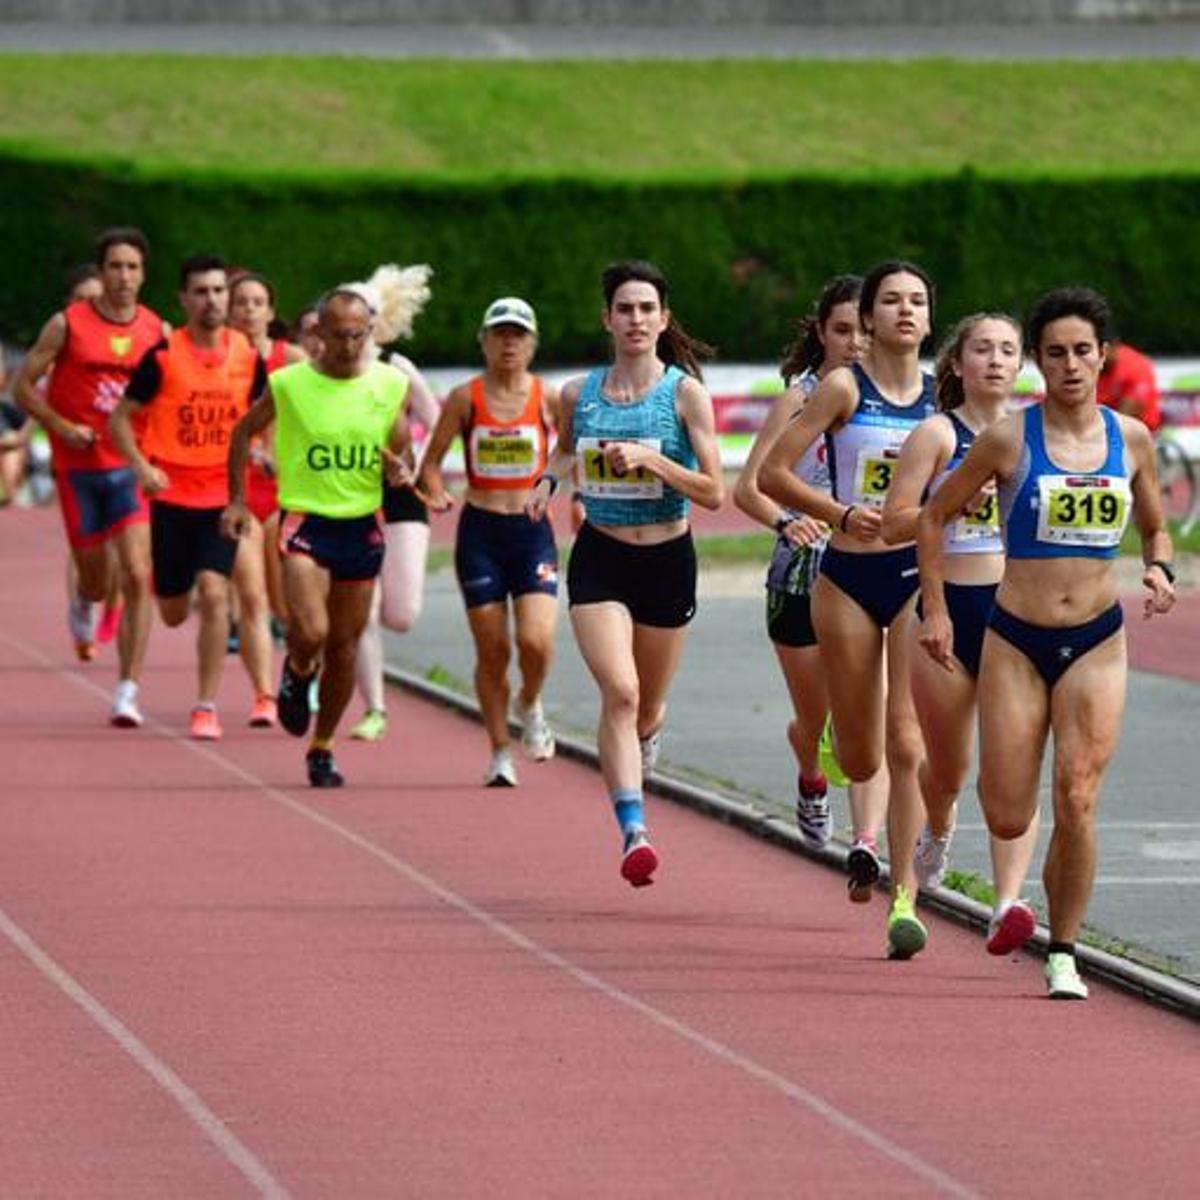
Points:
[(322, 770), (294, 710)]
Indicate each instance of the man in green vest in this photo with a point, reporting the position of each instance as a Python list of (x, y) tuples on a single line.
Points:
[(339, 426)]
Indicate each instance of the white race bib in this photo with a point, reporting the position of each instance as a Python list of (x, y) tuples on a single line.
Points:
[(978, 526), (599, 478), (1082, 510), (505, 452), (874, 470)]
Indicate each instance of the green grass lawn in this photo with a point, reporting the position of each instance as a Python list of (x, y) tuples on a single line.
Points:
[(413, 119)]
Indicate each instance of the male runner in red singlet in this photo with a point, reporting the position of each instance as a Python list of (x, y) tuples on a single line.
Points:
[(93, 346)]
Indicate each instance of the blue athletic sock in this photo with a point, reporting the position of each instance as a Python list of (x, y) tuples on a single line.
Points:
[(627, 804)]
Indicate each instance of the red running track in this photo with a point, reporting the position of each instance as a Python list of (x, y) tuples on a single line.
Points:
[(219, 983)]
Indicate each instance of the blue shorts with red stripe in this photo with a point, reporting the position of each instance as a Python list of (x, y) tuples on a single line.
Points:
[(96, 505)]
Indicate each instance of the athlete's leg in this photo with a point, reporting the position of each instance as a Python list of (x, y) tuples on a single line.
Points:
[(851, 647), (306, 588), (254, 630), (604, 633), (1086, 708), (212, 610), (1014, 720), (905, 751), (133, 558), (369, 657), (801, 667), (348, 606), (402, 582), (493, 650), (536, 616), (656, 654), (274, 567)]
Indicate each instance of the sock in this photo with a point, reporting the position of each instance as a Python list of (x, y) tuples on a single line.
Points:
[(627, 804), (1062, 948), (204, 706), (813, 788)]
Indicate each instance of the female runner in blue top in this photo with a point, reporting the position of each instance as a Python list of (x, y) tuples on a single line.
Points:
[(866, 587), (641, 437), (1069, 474)]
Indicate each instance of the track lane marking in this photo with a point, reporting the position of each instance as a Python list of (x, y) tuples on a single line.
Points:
[(823, 1108)]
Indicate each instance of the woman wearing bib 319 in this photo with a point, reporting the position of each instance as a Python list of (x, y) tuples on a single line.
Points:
[(1054, 654), (866, 587), (644, 436), (976, 369)]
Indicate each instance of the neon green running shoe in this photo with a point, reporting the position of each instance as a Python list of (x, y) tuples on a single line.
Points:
[(905, 934), (372, 728), (827, 756)]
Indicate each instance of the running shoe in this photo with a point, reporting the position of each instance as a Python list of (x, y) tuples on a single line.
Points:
[(862, 865), (204, 725), (536, 739), (931, 858), (233, 641), (501, 772), (639, 860), (1011, 926), (81, 620), (110, 622), (264, 712), (650, 745), (372, 727), (812, 811), (827, 756), (906, 935), (125, 712), (1062, 978), (293, 701), (322, 770)]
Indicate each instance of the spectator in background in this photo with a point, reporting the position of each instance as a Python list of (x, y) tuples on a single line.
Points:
[(1127, 384)]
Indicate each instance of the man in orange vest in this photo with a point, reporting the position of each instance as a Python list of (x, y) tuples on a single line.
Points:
[(89, 350), (192, 389)]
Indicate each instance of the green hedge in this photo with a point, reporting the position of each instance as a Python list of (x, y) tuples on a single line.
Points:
[(744, 257)]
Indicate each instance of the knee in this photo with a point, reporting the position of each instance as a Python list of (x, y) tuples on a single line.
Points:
[(1006, 826), (904, 749), (536, 646), (1075, 807), (212, 599), (620, 700), (493, 657), (400, 618), (136, 581)]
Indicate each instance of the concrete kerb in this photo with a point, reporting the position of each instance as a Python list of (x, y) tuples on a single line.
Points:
[(1145, 982)]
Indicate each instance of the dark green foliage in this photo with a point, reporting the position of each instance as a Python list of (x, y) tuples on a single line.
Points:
[(744, 257)]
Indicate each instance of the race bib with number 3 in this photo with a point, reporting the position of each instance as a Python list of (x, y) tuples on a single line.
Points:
[(598, 477), (873, 474), (981, 525), (1082, 510)]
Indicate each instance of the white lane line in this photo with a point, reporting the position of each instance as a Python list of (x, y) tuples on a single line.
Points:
[(1146, 880), (980, 827), (882, 1144), (1172, 851), (231, 1149)]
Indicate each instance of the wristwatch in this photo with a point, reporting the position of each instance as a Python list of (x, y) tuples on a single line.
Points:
[(782, 522), (1165, 568)]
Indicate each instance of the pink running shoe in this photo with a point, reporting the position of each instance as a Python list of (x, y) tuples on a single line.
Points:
[(640, 860), (110, 622), (263, 713), (205, 727), (1011, 926)]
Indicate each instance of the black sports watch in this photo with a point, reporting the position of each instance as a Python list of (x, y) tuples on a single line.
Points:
[(1165, 568), (781, 522)]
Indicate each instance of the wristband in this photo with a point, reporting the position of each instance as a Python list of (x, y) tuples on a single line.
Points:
[(846, 517), (547, 478), (1165, 568)]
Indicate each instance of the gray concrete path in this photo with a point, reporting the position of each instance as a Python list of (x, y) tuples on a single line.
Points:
[(1179, 39), (726, 727)]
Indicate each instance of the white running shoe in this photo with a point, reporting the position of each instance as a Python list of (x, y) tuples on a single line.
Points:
[(650, 746), (82, 619), (536, 738), (501, 772), (931, 859), (125, 712), (1062, 978)]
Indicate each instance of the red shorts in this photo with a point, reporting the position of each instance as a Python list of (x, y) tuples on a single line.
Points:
[(262, 492), (97, 505)]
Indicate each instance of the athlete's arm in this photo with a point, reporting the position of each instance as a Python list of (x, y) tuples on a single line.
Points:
[(560, 466), (802, 530), (830, 406), (451, 422), (925, 452), (144, 385), (994, 454), (260, 415), (25, 391), (1148, 516)]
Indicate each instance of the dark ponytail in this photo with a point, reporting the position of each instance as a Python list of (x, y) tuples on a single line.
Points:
[(807, 352), (676, 347)]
